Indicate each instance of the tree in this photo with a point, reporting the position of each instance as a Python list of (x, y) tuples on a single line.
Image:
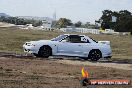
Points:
[(106, 17), (20, 21), (63, 22), (123, 23), (78, 24)]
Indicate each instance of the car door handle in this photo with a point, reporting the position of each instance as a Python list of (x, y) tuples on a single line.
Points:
[(79, 45)]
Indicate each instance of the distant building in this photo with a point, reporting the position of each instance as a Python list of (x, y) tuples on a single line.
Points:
[(47, 24), (27, 26)]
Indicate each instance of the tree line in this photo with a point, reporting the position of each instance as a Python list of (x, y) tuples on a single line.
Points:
[(64, 22), (123, 22)]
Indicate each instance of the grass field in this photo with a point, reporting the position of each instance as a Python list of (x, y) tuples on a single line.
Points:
[(11, 40)]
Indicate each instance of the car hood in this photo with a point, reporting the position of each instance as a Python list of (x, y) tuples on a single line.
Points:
[(40, 41)]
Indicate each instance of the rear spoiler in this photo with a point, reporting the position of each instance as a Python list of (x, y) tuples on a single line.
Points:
[(104, 42)]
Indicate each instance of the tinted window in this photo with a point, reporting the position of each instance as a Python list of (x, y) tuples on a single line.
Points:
[(75, 39)]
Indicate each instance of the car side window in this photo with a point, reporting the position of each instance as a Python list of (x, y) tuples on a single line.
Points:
[(73, 39), (67, 39), (84, 40), (76, 39)]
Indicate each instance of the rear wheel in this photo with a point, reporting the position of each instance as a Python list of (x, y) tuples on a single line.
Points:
[(45, 51), (95, 55)]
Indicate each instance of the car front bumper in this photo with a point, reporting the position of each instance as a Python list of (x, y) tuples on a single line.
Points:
[(29, 49)]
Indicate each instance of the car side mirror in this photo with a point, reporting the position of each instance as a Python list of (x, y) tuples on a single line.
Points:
[(63, 41)]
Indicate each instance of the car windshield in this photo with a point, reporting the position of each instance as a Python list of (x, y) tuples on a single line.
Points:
[(59, 38)]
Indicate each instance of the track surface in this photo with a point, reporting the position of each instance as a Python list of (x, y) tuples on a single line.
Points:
[(118, 64), (26, 71)]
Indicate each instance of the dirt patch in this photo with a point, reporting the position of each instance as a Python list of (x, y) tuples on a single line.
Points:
[(118, 64), (26, 71), (50, 73), (113, 64)]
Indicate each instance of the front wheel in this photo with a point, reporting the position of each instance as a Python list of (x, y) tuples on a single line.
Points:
[(95, 55), (45, 51)]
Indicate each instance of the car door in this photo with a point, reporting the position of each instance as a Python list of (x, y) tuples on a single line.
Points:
[(71, 46)]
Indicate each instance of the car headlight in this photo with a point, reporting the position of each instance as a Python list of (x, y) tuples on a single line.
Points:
[(29, 44)]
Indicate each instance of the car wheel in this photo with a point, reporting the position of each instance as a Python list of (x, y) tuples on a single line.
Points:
[(95, 55), (45, 51)]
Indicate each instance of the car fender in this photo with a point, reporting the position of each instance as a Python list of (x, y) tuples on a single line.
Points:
[(51, 44)]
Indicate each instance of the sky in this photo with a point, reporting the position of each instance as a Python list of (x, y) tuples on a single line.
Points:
[(76, 10)]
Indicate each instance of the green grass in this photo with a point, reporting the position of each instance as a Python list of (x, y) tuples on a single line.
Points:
[(12, 39)]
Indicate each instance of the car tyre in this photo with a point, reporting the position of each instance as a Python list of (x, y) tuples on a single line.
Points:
[(95, 55), (45, 51)]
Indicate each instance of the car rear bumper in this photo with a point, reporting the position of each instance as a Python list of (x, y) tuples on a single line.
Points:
[(107, 55)]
